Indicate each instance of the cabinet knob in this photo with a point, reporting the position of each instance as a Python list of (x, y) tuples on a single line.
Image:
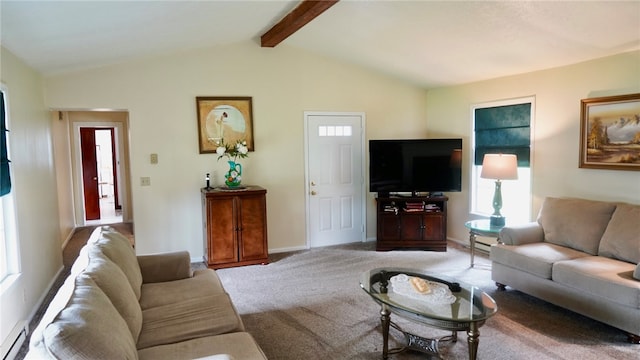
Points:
[(313, 192)]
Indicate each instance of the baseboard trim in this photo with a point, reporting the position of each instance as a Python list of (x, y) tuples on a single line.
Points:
[(40, 301), (287, 249), (11, 346), (66, 241)]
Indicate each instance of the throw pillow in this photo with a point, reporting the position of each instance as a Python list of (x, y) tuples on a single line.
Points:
[(113, 282), (89, 327), (575, 223), (118, 249), (621, 240)]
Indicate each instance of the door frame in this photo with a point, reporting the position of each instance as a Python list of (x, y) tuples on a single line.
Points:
[(80, 216), (89, 168), (307, 180)]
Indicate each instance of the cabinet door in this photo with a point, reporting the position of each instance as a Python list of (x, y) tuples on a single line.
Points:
[(412, 227), (222, 232), (388, 227), (252, 221), (433, 226)]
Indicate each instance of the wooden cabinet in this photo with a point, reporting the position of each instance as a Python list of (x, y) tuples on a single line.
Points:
[(415, 222), (235, 227)]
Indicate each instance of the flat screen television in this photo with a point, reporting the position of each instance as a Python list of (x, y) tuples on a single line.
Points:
[(415, 165)]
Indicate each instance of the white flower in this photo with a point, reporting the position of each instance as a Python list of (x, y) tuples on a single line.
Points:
[(232, 151)]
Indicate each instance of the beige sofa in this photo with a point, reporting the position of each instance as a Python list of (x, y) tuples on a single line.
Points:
[(582, 255), (116, 305)]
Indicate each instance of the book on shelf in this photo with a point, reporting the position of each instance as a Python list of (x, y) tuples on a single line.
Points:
[(414, 205)]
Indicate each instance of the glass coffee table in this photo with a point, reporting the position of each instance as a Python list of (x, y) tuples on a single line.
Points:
[(445, 304)]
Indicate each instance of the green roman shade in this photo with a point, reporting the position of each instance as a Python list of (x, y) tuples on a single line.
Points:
[(503, 129), (5, 179)]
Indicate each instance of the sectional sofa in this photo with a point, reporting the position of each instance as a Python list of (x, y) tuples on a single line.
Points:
[(580, 254), (116, 305)]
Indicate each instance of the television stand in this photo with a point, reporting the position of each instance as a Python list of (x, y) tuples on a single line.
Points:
[(411, 222)]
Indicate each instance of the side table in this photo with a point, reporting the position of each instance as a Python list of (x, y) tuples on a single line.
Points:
[(480, 228)]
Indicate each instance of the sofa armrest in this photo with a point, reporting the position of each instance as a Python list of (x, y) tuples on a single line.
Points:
[(165, 267), (522, 234)]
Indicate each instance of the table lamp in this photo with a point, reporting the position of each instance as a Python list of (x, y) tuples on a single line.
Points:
[(499, 167)]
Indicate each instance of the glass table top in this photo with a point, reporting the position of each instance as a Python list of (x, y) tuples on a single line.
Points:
[(483, 226), (461, 303)]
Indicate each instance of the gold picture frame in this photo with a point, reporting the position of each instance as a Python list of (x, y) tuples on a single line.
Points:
[(610, 132), (224, 117)]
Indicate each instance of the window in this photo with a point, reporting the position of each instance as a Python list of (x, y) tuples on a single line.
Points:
[(8, 238), (334, 130), (503, 127)]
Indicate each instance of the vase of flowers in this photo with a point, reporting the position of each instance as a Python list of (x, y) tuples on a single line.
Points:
[(232, 152)]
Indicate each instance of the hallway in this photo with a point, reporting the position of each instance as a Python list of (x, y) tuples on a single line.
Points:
[(108, 212)]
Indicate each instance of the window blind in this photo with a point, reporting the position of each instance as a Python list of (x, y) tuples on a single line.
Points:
[(5, 179), (503, 129)]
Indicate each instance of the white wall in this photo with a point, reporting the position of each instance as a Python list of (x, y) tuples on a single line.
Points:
[(556, 139), (34, 184), (284, 82), (160, 97)]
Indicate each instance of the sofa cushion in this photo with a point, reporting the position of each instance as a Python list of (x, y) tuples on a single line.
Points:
[(621, 239), (165, 267), (240, 345), (205, 282), (112, 281), (119, 250), (188, 319), (37, 346), (575, 223), (89, 327), (536, 258), (602, 277)]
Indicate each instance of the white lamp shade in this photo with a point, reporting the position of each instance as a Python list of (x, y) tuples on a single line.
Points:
[(499, 167)]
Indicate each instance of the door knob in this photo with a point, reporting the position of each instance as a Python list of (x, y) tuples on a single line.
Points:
[(313, 192), (313, 183)]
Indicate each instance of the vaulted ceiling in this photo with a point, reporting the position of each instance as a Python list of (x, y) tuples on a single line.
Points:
[(431, 43)]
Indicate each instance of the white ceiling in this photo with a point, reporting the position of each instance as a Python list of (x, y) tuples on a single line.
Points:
[(431, 43)]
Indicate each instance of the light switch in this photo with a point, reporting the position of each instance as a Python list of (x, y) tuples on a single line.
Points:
[(154, 158), (145, 181)]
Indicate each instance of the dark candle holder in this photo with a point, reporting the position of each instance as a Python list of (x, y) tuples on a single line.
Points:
[(208, 181)]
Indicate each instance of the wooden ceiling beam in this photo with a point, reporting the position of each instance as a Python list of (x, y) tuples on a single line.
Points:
[(306, 11)]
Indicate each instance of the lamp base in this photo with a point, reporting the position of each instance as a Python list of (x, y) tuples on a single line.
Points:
[(497, 220)]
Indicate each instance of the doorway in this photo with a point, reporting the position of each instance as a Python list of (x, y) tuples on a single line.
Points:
[(334, 178), (100, 169), (99, 175)]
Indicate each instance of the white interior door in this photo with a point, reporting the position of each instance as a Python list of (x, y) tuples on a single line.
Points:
[(335, 178)]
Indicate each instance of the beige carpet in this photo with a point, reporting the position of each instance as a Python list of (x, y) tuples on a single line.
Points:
[(309, 305)]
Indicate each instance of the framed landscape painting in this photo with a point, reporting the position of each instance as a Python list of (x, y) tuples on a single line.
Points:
[(228, 118), (610, 132)]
